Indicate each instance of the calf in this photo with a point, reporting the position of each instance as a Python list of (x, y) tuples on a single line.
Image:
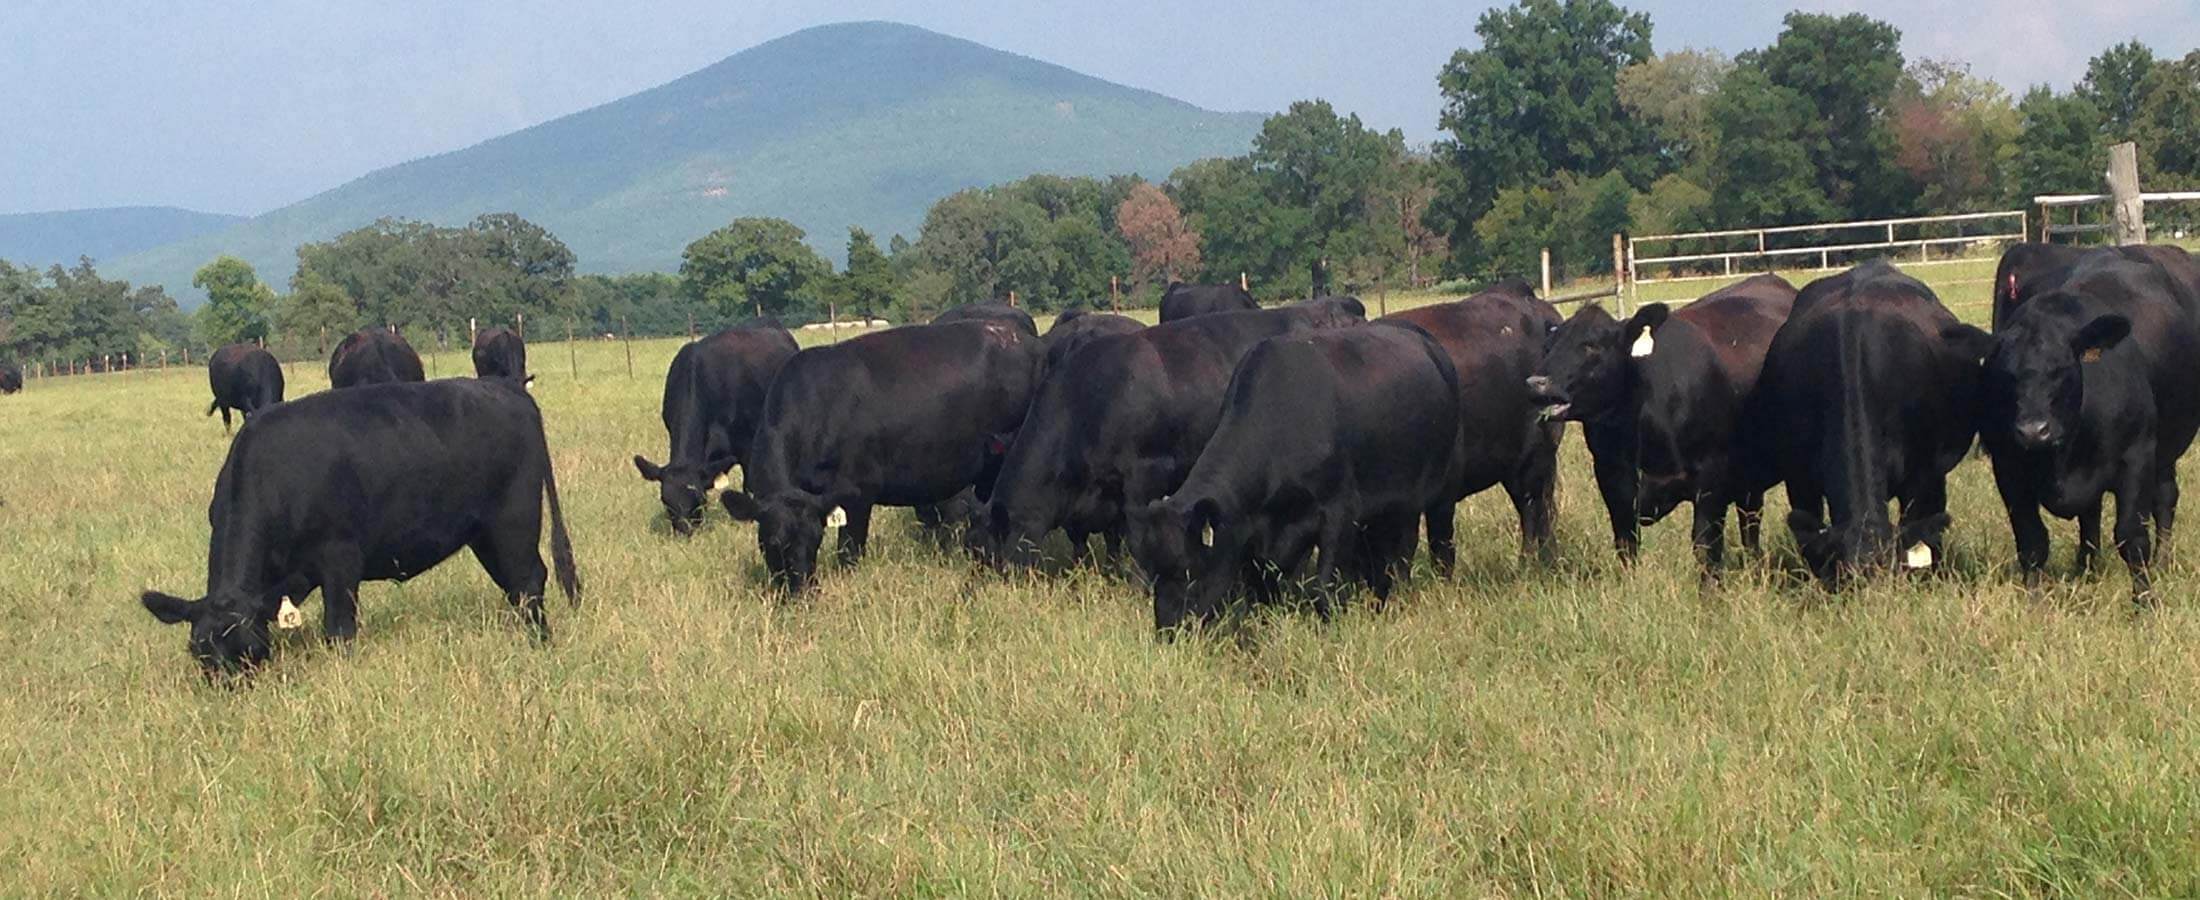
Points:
[(2088, 392), (1337, 441), (499, 353), (1076, 328), (1118, 424), (1495, 340), (376, 483), (245, 378), (999, 312), (1660, 400), (1183, 301), (901, 417), (714, 396), (1868, 394), (373, 356)]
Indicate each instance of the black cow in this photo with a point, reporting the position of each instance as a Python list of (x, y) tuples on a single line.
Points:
[(1183, 301), (1495, 340), (997, 312), (499, 353), (245, 378), (2089, 391), (1337, 440), (1342, 303), (1869, 393), (1119, 423), (373, 356), (714, 396), (901, 417), (1076, 328), (11, 378), (1660, 399), (2023, 265), (375, 483)]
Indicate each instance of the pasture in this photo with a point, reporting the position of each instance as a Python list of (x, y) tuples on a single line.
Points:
[(916, 727)]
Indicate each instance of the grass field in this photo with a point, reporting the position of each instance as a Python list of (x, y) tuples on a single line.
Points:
[(916, 728)]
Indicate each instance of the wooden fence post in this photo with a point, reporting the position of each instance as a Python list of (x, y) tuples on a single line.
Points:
[(2123, 187), (1546, 271), (627, 333), (572, 352), (1619, 271), (1115, 290)]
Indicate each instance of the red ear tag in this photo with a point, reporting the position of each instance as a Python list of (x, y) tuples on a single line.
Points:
[(2092, 356)]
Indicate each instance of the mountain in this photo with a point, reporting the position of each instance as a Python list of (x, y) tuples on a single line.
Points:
[(854, 124), (43, 238)]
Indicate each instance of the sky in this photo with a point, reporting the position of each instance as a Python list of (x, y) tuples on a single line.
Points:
[(241, 106)]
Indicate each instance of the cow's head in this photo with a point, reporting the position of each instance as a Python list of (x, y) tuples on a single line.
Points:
[(684, 488), (790, 525), (228, 630), (1584, 373), (1181, 548), (2036, 368), (1838, 552)]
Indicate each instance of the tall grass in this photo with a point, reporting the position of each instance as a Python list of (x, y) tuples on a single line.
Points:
[(917, 728)]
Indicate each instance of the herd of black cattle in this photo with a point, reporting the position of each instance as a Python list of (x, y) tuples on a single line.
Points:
[(1231, 446)]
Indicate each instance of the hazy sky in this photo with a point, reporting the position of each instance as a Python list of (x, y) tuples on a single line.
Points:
[(244, 105)]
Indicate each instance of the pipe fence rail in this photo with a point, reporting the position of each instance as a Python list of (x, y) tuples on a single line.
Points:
[(1835, 238)]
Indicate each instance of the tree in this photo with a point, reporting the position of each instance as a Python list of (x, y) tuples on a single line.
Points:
[(2061, 150), (1575, 217), (755, 264), (238, 307), (317, 313), (1671, 95), (1762, 157), (2168, 125), (1162, 245), (868, 285), (1846, 69), (2116, 84), (1242, 229), (1410, 190), (1330, 167), (1540, 97), (518, 267), (987, 245), (1956, 136)]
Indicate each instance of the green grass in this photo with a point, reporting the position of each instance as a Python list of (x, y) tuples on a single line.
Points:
[(917, 729)]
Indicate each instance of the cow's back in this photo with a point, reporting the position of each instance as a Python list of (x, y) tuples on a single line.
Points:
[(1737, 324)]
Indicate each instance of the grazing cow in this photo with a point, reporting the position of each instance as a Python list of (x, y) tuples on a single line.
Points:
[(244, 378), (2089, 392), (11, 378), (373, 356), (908, 416), (1495, 339), (714, 396), (1868, 393), (499, 353), (1076, 328), (1183, 301), (1660, 400), (1118, 424), (375, 483), (1000, 312), (1336, 440)]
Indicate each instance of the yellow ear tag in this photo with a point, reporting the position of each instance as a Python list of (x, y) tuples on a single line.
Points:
[(1207, 536), (1642, 345), (725, 480), (838, 518), (2091, 355), (1919, 557), (288, 617)]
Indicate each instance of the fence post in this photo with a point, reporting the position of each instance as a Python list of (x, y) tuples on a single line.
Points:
[(1546, 271), (1619, 271), (627, 333), (572, 352), (2123, 186), (691, 326), (1114, 289)]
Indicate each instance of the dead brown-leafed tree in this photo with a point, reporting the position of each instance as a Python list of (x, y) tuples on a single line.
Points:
[(1162, 245)]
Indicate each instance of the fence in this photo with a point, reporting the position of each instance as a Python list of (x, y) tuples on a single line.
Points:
[(1767, 248), (2077, 204)]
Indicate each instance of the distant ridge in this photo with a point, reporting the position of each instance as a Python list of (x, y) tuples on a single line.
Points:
[(41, 239), (853, 124)]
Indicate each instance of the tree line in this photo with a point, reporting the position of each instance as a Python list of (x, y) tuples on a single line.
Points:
[(1563, 128)]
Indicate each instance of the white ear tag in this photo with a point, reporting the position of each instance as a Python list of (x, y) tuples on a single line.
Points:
[(725, 480), (1642, 345), (1207, 536), (288, 617), (837, 518), (1919, 556)]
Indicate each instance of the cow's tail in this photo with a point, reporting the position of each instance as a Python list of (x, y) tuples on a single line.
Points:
[(561, 546)]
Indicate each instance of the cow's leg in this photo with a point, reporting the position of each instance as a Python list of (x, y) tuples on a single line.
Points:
[(1616, 483), (1749, 514), (515, 564), (2165, 507), (2089, 537), (1112, 539), (1337, 541), (1532, 490), (856, 535), (1080, 553), (2023, 504), (1386, 555), (338, 571), (1442, 551), (1928, 500), (225, 420), (2135, 501), (1709, 534)]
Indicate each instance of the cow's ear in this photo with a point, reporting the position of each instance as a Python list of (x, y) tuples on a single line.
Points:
[(1929, 528), (739, 505), (2103, 333), (1968, 341), (170, 610), (719, 465), (650, 471), (1636, 334)]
